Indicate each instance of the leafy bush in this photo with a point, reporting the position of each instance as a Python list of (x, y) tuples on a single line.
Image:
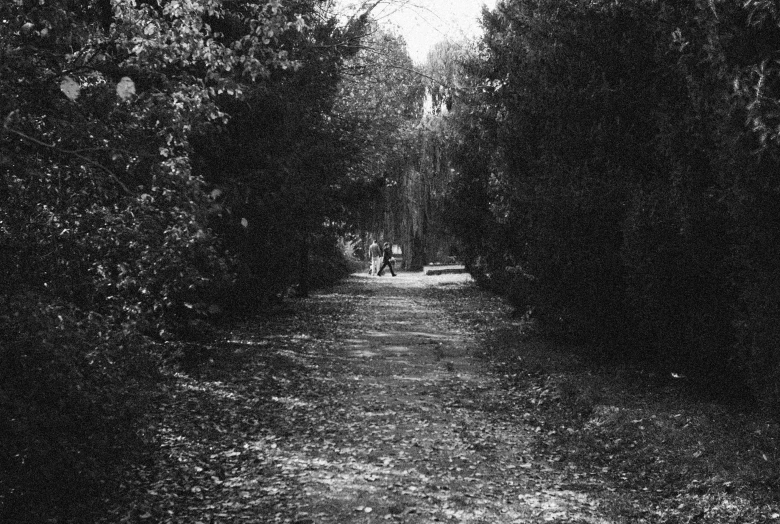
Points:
[(71, 389)]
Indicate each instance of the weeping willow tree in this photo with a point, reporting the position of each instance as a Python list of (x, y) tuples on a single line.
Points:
[(420, 199), (397, 116), (416, 200), (379, 105)]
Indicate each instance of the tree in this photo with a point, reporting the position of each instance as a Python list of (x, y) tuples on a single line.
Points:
[(379, 107), (103, 224), (278, 183)]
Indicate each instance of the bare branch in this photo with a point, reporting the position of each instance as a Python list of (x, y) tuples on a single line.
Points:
[(366, 12)]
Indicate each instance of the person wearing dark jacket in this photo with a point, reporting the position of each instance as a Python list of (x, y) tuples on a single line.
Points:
[(387, 259)]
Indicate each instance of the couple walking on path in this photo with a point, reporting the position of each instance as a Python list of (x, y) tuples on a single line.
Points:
[(383, 256)]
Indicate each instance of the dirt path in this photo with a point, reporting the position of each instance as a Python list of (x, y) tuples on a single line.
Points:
[(431, 436), (427, 435), (361, 404), (417, 399), (401, 423)]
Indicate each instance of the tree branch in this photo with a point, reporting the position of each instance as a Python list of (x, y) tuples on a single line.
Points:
[(72, 153), (424, 75)]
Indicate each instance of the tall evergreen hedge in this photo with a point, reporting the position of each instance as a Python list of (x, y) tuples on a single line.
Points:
[(626, 178)]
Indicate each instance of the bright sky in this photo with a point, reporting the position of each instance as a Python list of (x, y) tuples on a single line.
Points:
[(423, 23)]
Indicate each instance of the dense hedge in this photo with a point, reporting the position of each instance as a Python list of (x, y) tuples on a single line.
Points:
[(617, 173), (121, 234)]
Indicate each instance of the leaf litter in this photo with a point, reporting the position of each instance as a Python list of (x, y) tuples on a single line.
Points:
[(379, 401)]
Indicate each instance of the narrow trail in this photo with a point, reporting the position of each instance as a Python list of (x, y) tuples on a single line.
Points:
[(419, 399), (365, 403), (427, 435)]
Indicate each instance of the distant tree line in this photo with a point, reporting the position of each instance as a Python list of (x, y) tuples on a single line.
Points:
[(617, 174)]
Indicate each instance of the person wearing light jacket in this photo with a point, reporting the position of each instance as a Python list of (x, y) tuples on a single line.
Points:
[(375, 252)]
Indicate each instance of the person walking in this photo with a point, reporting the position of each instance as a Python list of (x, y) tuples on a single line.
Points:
[(375, 252), (387, 259)]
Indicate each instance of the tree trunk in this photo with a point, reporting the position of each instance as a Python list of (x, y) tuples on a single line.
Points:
[(303, 266)]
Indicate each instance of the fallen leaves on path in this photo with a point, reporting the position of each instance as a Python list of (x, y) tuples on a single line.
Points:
[(364, 404), (391, 401)]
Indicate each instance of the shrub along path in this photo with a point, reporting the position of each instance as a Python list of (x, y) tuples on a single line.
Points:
[(420, 399)]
